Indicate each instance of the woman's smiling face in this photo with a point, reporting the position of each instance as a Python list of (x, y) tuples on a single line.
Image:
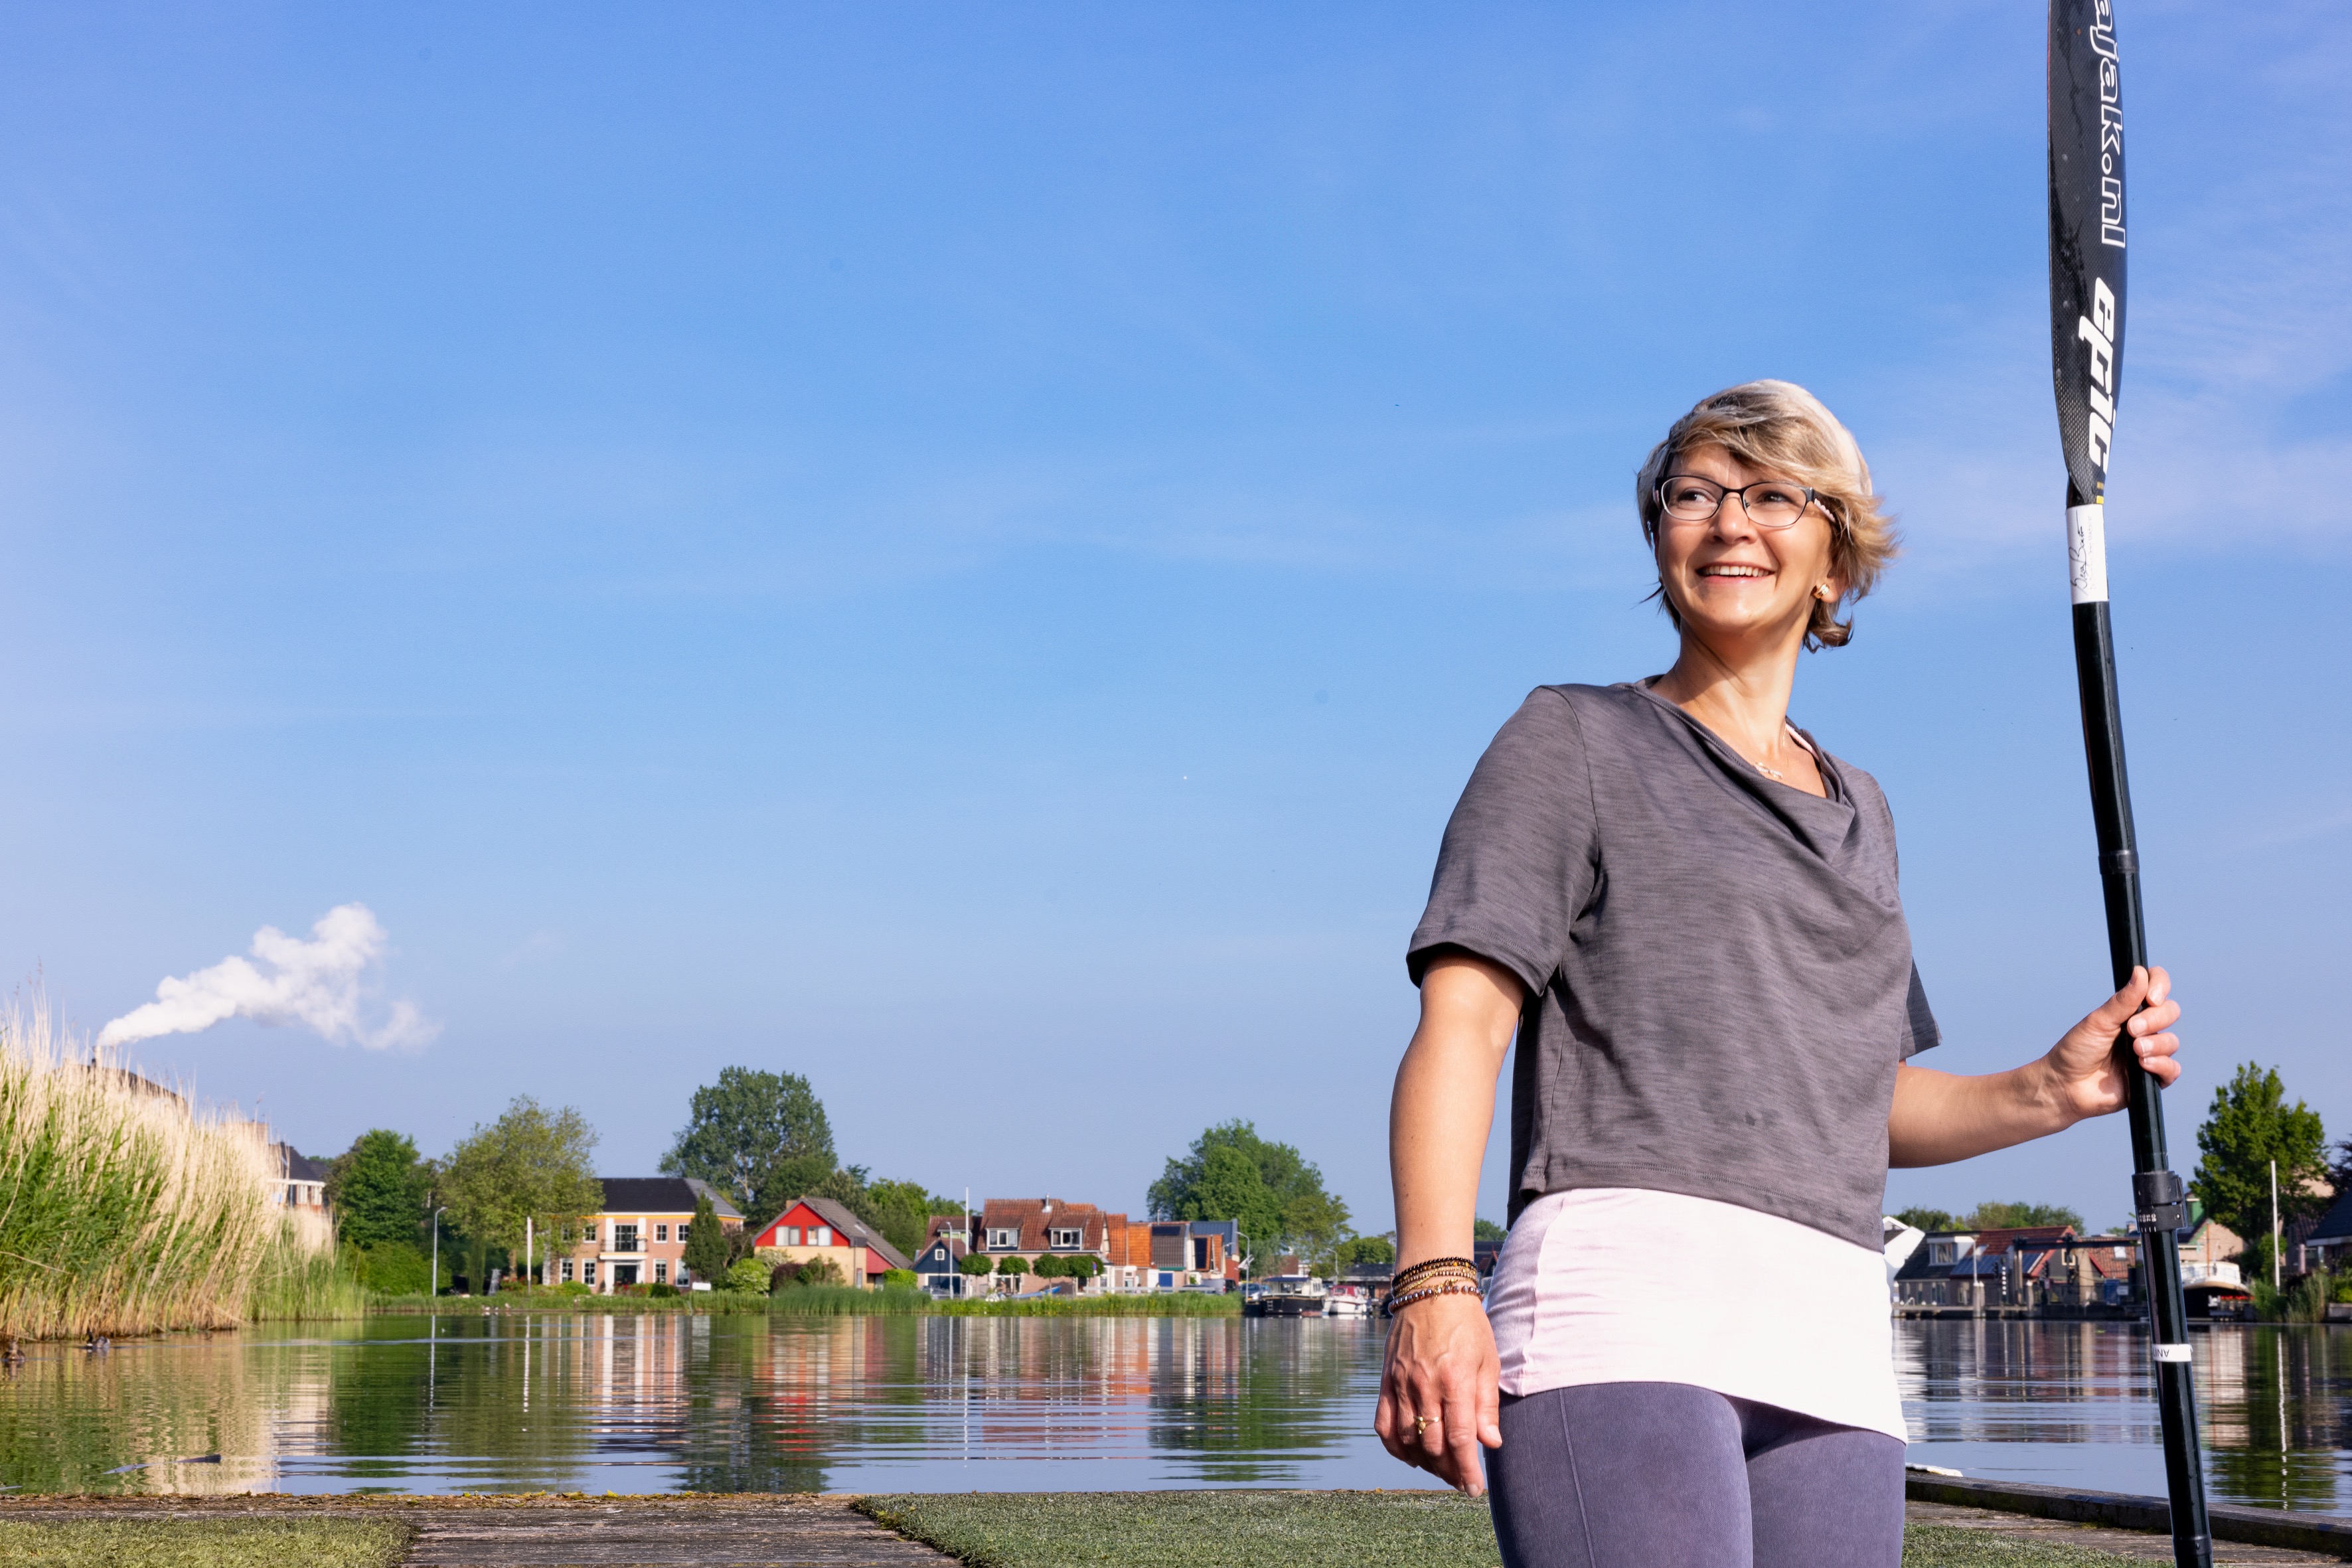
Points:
[(1728, 578)]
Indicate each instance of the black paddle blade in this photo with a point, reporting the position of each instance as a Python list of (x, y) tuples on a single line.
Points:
[(2087, 237)]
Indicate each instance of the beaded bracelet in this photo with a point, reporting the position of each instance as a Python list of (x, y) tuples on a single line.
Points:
[(1428, 1281), (1423, 1292), (1458, 1268)]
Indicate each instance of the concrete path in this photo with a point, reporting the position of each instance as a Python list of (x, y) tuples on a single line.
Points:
[(800, 1531), (2122, 1543)]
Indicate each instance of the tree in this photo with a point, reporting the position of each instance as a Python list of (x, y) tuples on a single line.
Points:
[(761, 1137), (1048, 1267), (1927, 1219), (1486, 1230), (706, 1242), (749, 1275), (1285, 1204), (377, 1189), (1081, 1266), (1364, 1249), (902, 1212), (1012, 1267), (2018, 1216), (2249, 1126), (973, 1265), (529, 1163), (1230, 1187)]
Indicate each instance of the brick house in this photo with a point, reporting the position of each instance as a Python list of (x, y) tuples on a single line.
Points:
[(301, 1181), (1133, 1255), (1975, 1268), (638, 1237), (813, 1228)]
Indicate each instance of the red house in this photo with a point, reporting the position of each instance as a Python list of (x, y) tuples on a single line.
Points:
[(811, 1228)]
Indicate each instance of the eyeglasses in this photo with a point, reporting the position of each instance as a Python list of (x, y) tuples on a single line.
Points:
[(1768, 503)]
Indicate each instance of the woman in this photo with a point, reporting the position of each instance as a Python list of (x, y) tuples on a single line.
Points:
[(1685, 911)]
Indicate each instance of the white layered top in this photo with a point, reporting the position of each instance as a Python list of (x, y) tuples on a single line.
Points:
[(1625, 1285)]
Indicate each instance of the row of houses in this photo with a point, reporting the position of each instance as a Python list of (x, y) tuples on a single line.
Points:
[(1126, 1256), (2052, 1271), (639, 1237)]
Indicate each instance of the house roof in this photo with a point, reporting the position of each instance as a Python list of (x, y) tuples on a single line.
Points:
[(297, 1167), (848, 1225), (662, 1194), (1030, 1220), (953, 1245), (2335, 1224)]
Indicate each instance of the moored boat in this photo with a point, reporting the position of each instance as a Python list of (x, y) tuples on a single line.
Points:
[(1286, 1296)]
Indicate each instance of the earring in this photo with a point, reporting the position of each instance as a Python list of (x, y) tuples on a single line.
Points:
[(1823, 591)]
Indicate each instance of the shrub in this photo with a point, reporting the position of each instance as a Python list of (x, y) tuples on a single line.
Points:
[(750, 1276), (899, 1279), (974, 1264), (660, 1291), (815, 1271), (1047, 1267), (390, 1268)]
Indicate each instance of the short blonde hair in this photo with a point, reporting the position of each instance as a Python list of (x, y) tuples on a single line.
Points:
[(1778, 425)]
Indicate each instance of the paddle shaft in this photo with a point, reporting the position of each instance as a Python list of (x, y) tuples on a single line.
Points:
[(2155, 1189)]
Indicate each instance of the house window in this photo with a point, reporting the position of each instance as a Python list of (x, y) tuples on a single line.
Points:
[(588, 1231), (788, 1236), (661, 1273), (1003, 1240), (588, 1273), (567, 1272), (682, 1230), (1939, 1252), (625, 1238), (661, 1232), (1067, 1238), (820, 1235)]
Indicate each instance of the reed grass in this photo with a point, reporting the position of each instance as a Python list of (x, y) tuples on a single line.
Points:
[(305, 1274), (124, 1209), (2305, 1301)]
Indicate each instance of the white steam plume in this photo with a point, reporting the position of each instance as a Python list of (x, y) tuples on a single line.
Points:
[(315, 983)]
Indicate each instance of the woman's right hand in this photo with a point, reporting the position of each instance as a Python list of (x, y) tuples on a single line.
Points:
[(1440, 1391)]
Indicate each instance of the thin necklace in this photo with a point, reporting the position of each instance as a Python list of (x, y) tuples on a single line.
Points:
[(1775, 774)]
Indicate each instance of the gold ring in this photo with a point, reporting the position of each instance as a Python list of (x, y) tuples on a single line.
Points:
[(1419, 1426)]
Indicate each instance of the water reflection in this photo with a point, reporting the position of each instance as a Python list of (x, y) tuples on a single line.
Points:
[(594, 1402), (560, 1402), (2071, 1405)]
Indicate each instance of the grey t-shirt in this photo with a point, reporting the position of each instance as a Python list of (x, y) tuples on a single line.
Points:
[(1720, 978)]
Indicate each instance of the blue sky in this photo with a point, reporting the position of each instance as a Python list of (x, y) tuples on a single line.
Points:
[(967, 553)]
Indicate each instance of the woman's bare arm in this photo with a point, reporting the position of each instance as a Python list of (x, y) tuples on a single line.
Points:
[(1940, 1117), (1439, 1397)]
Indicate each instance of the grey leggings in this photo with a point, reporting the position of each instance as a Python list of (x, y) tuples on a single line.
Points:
[(1664, 1475)]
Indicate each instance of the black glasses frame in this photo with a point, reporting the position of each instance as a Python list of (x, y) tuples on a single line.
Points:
[(1666, 512)]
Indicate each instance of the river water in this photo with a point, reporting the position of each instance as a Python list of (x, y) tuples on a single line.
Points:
[(563, 1402)]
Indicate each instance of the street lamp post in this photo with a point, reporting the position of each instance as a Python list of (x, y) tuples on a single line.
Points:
[(433, 1284)]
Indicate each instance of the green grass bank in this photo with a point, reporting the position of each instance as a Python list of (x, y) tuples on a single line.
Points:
[(1297, 1530), (201, 1543)]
